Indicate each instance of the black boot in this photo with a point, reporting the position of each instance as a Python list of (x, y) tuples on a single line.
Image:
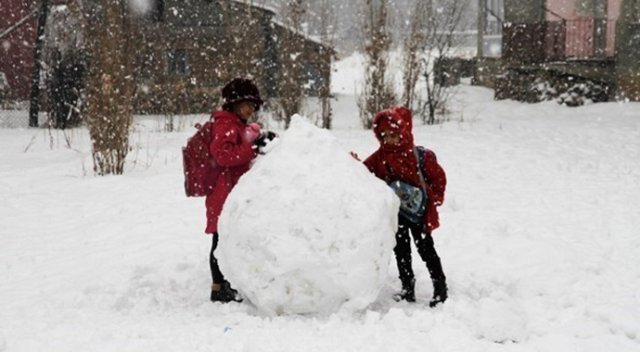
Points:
[(225, 294), (439, 292), (408, 292)]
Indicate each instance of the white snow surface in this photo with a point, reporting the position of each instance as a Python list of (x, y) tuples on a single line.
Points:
[(539, 240), (308, 229)]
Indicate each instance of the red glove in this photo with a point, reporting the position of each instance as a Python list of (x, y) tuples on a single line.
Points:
[(251, 133)]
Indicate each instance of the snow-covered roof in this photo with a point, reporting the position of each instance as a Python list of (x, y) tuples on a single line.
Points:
[(17, 24), (252, 4), (313, 39)]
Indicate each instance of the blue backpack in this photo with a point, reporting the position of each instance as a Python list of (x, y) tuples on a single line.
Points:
[(413, 200)]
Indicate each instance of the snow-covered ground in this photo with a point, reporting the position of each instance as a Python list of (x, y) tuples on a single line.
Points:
[(539, 240)]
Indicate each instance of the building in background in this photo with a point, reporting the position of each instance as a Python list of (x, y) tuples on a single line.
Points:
[(543, 30), (185, 51), (183, 56), (569, 43), (17, 40)]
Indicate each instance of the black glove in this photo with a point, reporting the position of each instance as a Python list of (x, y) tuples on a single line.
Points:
[(261, 141)]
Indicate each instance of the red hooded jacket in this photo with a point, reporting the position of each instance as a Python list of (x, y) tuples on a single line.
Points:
[(233, 155), (398, 162)]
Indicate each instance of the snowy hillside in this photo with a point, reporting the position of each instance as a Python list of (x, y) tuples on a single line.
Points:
[(539, 241)]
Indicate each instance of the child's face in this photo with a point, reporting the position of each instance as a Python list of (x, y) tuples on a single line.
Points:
[(391, 137), (245, 109)]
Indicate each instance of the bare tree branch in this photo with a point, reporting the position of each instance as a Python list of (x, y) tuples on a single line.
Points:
[(378, 93), (291, 44), (444, 17)]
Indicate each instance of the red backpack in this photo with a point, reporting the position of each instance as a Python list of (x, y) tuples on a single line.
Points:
[(200, 170)]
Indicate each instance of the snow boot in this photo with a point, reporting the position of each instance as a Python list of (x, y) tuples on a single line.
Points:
[(225, 294), (408, 292), (439, 292)]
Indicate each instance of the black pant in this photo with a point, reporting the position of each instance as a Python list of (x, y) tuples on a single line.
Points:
[(216, 274), (424, 243)]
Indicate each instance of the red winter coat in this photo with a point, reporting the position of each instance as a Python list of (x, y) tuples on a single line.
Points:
[(398, 163), (232, 155)]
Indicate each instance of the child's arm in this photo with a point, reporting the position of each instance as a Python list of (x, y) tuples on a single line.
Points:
[(436, 178), (375, 166), (227, 147)]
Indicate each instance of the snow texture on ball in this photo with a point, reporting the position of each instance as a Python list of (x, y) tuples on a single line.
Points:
[(308, 229)]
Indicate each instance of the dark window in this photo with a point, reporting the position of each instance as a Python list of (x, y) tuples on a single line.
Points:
[(178, 62), (313, 76), (145, 62)]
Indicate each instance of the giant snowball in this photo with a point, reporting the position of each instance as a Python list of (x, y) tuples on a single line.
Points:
[(308, 229)]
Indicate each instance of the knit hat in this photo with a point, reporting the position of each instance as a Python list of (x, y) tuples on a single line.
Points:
[(240, 89)]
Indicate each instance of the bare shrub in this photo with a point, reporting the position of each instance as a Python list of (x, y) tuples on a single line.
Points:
[(110, 86), (290, 90), (377, 92), (413, 47), (443, 19), (327, 38)]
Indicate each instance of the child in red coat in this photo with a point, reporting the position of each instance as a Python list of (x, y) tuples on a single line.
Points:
[(234, 145), (396, 160)]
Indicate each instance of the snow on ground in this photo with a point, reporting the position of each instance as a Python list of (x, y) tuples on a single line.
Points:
[(539, 241)]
